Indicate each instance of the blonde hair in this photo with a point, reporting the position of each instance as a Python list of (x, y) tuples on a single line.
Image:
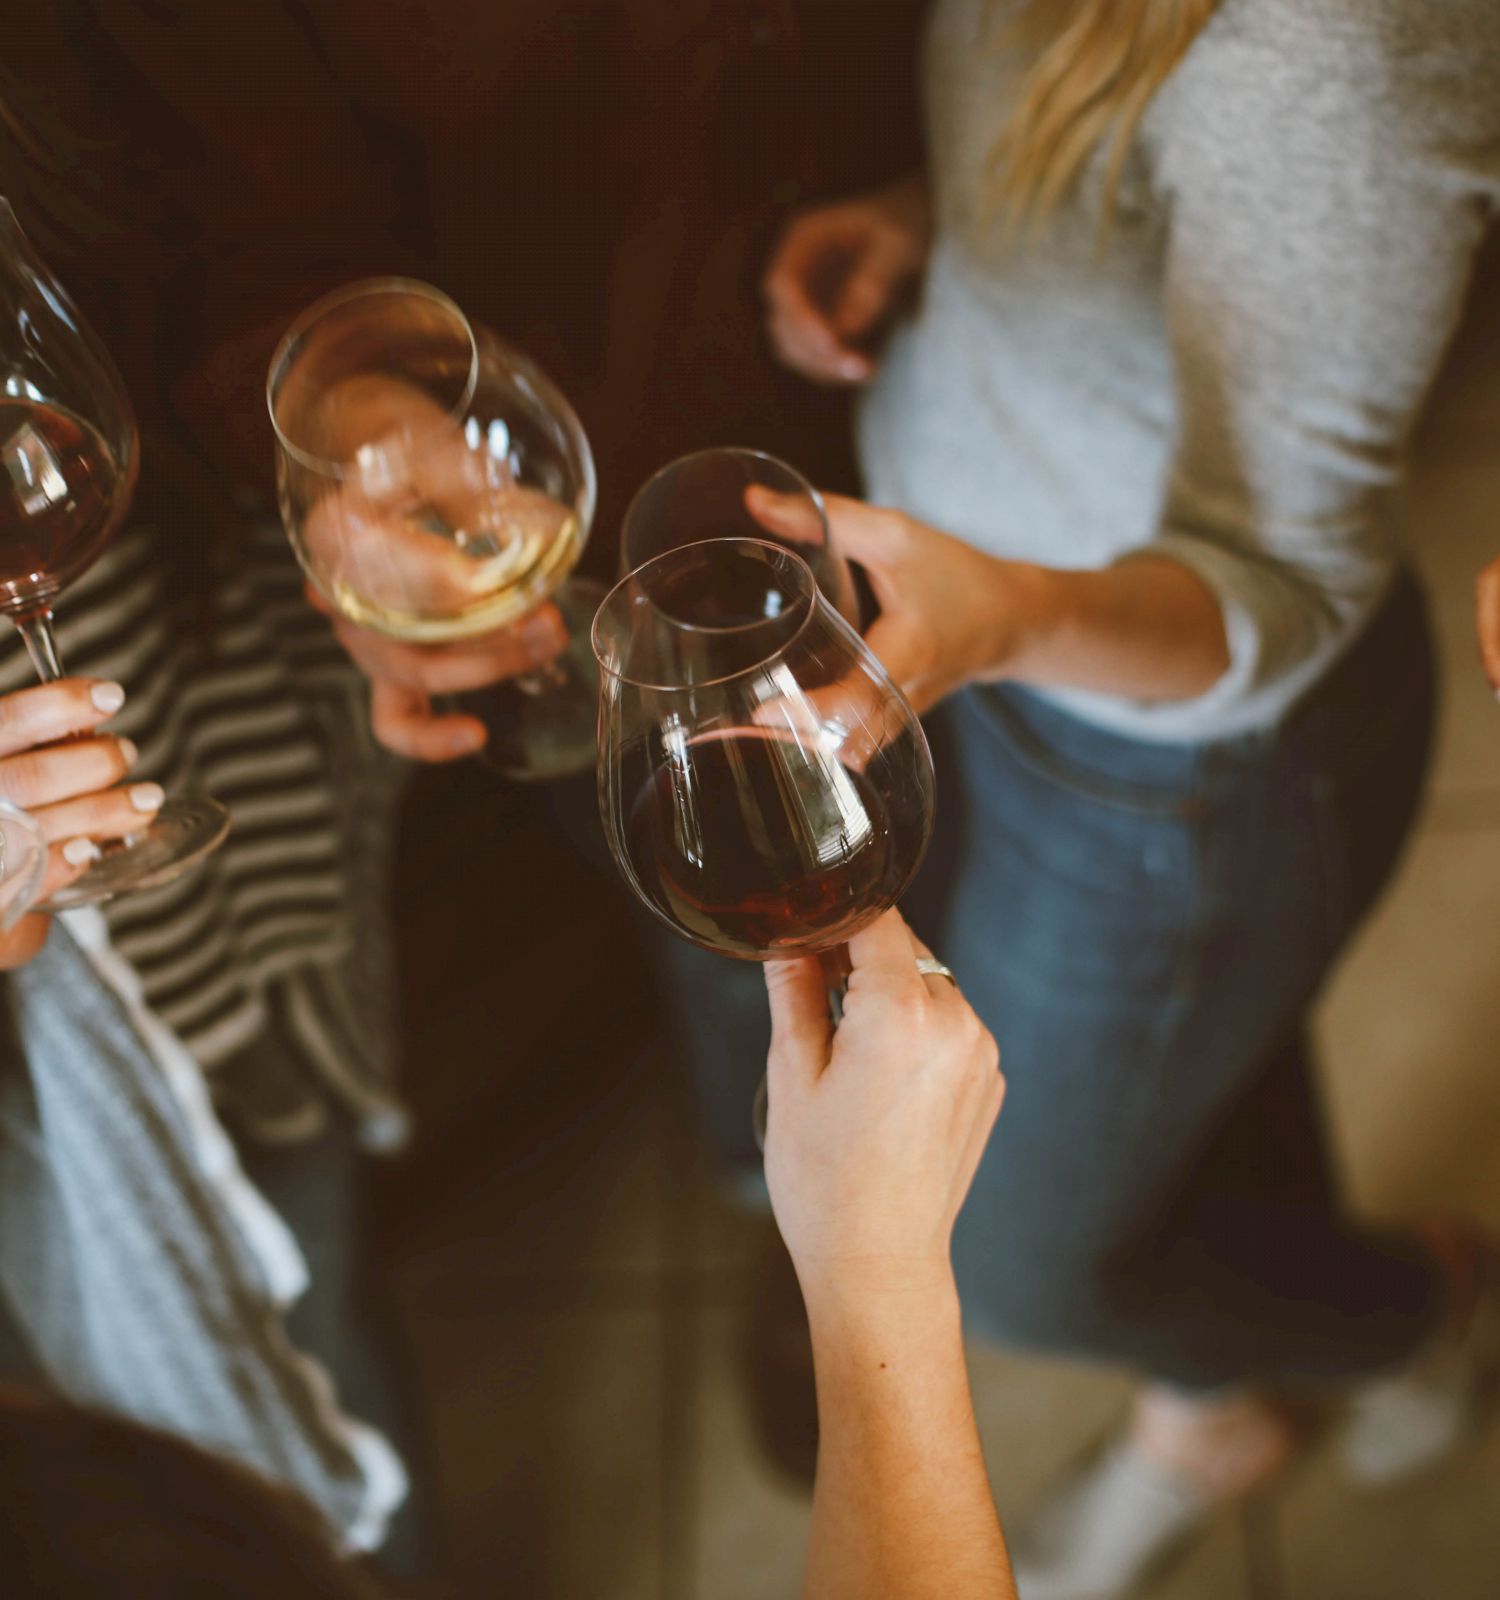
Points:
[(1100, 62)]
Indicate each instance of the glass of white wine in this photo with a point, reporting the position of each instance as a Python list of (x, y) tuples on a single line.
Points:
[(436, 485)]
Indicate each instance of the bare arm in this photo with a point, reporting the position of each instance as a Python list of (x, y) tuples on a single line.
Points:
[(1148, 627), (902, 1506), (875, 1132)]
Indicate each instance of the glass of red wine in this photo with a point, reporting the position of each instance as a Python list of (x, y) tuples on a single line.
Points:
[(68, 459), (765, 787), (716, 494)]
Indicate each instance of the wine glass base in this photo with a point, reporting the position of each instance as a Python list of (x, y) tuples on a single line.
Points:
[(178, 837), (542, 725)]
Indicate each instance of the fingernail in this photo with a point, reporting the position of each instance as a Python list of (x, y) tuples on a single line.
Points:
[(147, 796), (79, 852), (463, 741), (128, 752), (109, 697)]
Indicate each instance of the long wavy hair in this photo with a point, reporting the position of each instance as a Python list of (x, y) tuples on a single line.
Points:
[(1098, 63)]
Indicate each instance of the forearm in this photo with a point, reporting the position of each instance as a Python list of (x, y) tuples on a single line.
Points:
[(903, 1507), (1146, 629)]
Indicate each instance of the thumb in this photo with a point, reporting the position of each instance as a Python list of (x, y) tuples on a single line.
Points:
[(801, 1028), (792, 517)]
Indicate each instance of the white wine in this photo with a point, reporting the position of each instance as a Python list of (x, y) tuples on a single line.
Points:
[(427, 572), (498, 588)]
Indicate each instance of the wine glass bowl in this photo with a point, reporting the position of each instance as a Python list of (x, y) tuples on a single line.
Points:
[(765, 788), (436, 485), (722, 493)]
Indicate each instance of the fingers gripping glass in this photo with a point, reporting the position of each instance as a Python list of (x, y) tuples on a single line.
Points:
[(68, 460), (437, 486)]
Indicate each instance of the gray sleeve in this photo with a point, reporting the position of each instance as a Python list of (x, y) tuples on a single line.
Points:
[(1327, 198)]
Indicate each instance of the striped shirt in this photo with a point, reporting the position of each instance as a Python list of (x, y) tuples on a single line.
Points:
[(281, 933)]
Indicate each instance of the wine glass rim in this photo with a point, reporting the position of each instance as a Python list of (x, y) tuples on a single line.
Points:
[(720, 450), (776, 553), (362, 288)]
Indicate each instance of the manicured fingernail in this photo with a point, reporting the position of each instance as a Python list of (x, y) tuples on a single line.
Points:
[(464, 741), (147, 796), (128, 752), (109, 697), (79, 852)]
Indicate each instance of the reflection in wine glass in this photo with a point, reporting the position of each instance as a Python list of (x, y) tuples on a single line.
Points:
[(731, 804), (436, 485), (68, 458), (726, 494)]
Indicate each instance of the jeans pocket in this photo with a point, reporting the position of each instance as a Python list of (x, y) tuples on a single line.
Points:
[(1104, 869), (1105, 768)]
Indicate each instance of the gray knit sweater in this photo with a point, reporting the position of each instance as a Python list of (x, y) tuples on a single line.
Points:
[(1233, 382)]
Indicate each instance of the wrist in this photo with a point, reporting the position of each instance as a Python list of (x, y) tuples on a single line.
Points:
[(1027, 612), (857, 1303)]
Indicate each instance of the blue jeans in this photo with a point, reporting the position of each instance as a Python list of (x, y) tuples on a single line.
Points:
[(1144, 928)]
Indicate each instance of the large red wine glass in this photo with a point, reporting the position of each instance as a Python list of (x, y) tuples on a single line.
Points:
[(765, 787), (68, 457)]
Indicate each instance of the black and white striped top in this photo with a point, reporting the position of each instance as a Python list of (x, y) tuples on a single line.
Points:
[(282, 932)]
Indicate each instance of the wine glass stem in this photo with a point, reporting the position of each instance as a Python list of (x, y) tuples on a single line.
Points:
[(41, 644)]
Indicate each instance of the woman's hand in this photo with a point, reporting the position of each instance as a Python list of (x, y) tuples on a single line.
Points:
[(1488, 617), (876, 1127), (839, 274), (949, 614), (369, 535), (405, 677), (56, 765)]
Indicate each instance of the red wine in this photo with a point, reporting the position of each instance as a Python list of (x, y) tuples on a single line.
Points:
[(61, 492), (751, 844)]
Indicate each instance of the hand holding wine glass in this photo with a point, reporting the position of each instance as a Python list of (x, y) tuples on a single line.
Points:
[(877, 1126), (61, 793), (438, 489), (68, 462)]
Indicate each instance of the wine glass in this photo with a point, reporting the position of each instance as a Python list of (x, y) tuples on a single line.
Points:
[(68, 459), (765, 787), (436, 485), (714, 494)]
